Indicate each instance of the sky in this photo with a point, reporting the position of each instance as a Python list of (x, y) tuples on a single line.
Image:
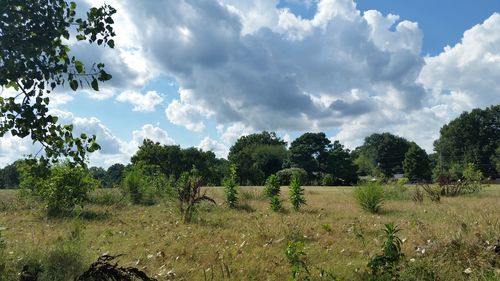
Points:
[(204, 72)]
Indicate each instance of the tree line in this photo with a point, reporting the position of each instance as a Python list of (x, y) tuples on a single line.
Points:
[(471, 139)]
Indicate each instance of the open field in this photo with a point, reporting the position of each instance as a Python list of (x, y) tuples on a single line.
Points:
[(447, 237)]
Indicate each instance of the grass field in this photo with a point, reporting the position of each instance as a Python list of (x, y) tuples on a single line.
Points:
[(446, 239)]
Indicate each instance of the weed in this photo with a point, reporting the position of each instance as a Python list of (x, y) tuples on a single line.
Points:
[(369, 196), (296, 192), (104, 269), (386, 264), (433, 192), (418, 195), (231, 188), (276, 204), (327, 227), (295, 256), (189, 194)]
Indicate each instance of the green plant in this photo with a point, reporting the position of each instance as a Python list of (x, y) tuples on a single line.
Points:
[(327, 227), (369, 196), (285, 175), (188, 189), (295, 256), (296, 192), (276, 204), (327, 180), (418, 195), (272, 187), (3, 263), (432, 191), (64, 188), (231, 188), (386, 264)]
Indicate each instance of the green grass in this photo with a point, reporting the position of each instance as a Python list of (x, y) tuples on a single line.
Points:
[(251, 242)]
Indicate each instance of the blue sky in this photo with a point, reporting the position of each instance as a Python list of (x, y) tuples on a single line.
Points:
[(203, 73)]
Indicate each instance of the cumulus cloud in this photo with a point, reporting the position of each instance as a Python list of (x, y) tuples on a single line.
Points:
[(220, 149), (142, 103)]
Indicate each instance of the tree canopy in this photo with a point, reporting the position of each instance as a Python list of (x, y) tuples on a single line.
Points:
[(257, 156), (473, 137), (35, 60), (417, 164), (309, 152), (382, 153)]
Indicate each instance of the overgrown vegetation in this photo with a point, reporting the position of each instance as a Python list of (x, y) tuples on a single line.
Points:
[(385, 266), (369, 196), (189, 194)]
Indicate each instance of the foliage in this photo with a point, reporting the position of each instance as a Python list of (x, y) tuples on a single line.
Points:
[(114, 175), (276, 203), (35, 60), (285, 175), (295, 256), (272, 187), (369, 196), (471, 138), (257, 156), (309, 152), (231, 188), (98, 174), (416, 164), (386, 264), (104, 269), (145, 184), (327, 180), (382, 153), (296, 192), (62, 187), (188, 188), (418, 195), (433, 192), (172, 160), (9, 176), (338, 162)]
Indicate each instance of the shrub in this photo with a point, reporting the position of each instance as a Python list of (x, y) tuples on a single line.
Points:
[(285, 175), (369, 196), (62, 188), (327, 180), (386, 264), (231, 188), (146, 185), (296, 192), (272, 187), (188, 188), (133, 185)]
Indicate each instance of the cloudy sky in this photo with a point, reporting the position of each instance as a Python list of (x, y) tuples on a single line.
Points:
[(204, 72)]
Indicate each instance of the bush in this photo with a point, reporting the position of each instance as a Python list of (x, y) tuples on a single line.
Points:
[(146, 185), (369, 196), (134, 185), (62, 188), (231, 188), (285, 175), (327, 180), (296, 192)]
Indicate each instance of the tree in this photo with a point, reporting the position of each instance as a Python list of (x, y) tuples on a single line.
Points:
[(473, 137), (257, 156), (382, 153), (9, 176), (98, 174), (417, 164), (171, 160), (338, 162), (309, 152), (114, 175), (35, 60)]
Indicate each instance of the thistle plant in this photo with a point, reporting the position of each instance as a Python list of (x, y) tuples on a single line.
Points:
[(231, 188)]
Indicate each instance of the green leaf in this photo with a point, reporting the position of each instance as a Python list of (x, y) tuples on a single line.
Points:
[(80, 37), (105, 76), (79, 67), (73, 84), (95, 85), (111, 43)]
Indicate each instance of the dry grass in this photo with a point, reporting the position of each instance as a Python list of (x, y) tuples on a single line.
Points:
[(250, 241)]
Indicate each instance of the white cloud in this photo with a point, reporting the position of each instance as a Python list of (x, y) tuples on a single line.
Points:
[(142, 103), (220, 149)]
